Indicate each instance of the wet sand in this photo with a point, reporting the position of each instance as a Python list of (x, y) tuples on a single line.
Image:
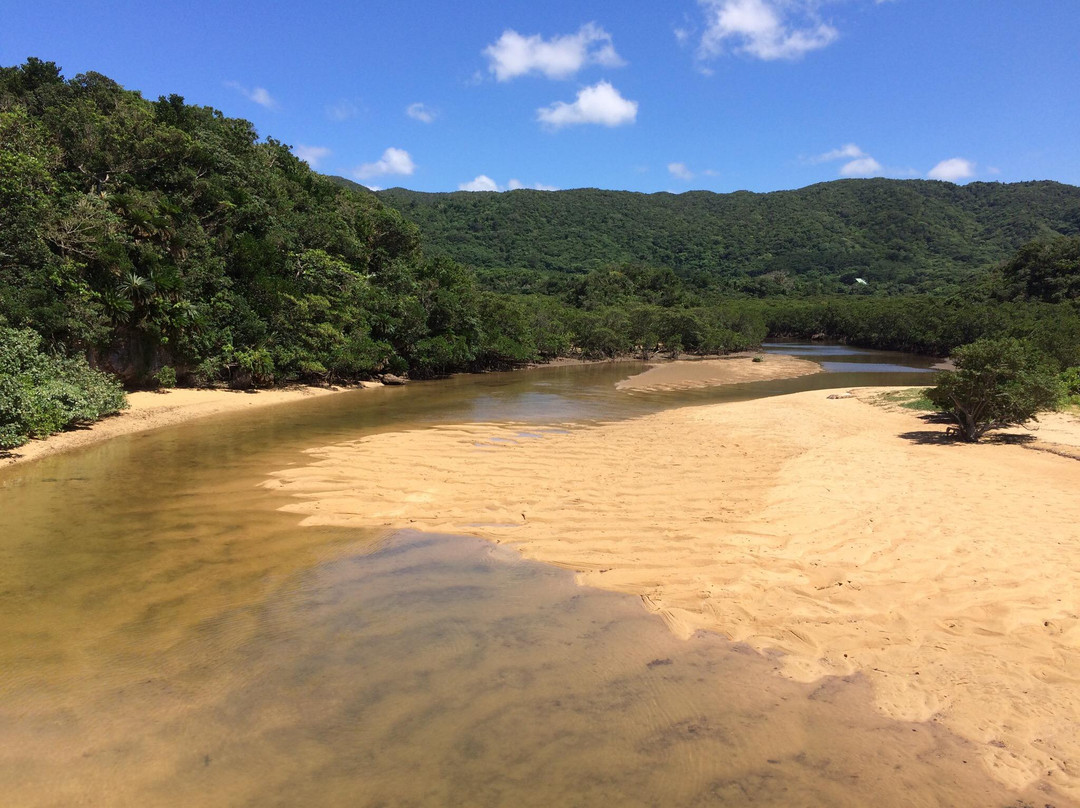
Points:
[(848, 538), (150, 410)]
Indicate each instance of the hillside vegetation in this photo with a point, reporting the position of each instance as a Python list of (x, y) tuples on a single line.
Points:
[(160, 234), (161, 242), (900, 236)]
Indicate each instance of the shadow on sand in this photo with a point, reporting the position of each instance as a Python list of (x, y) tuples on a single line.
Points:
[(945, 435)]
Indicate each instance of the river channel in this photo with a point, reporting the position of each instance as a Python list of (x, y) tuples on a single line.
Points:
[(168, 637)]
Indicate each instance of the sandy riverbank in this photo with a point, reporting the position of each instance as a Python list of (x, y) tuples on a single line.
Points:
[(150, 410), (847, 537)]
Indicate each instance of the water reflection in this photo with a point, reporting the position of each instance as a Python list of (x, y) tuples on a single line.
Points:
[(445, 671)]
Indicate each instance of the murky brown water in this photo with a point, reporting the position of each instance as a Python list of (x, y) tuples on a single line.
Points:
[(168, 638)]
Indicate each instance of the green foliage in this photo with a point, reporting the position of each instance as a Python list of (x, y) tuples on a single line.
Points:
[(1070, 387), (166, 377), (41, 394), (1044, 270), (901, 236), (151, 234), (997, 383)]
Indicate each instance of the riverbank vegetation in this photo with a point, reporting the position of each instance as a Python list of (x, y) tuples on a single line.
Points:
[(42, 393), (163, 242)]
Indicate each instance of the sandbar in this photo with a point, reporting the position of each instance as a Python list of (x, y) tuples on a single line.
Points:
[(686, 374), (843, 537)]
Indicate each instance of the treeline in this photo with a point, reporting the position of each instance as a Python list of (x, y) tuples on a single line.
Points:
[(1034, 296), (899, 236)]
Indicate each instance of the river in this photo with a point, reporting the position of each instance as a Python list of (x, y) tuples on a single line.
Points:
[(171, 638)]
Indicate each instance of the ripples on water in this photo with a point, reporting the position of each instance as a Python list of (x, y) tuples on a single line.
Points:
[(170, 639)]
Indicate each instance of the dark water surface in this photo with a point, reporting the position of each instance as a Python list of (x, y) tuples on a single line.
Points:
[(167, 637)]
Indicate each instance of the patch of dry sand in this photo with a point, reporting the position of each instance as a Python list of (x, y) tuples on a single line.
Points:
[(686, 374), (150, 410), (843, 535)]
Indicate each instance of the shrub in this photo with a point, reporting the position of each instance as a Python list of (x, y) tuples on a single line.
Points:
[(997, 383), (41, 394), (166, 377)]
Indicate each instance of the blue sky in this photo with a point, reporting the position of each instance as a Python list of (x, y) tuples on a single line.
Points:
[(720, 95)]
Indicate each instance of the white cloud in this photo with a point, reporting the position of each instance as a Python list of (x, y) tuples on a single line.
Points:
[(857, 162), (765, 29), (393, 161), (560, 57), (342, 111), (952, 170), (260, 95), (861, 167), (486, 183), (481, 183), (680, 171), (312, 155), (420, 112), (600, 104)]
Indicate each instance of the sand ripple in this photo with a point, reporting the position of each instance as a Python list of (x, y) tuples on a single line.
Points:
[(824, 529)]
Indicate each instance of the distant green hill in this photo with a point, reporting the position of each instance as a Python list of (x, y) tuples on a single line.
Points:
[(898, 235)]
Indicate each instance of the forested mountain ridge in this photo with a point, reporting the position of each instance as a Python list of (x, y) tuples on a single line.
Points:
[(898, 235)]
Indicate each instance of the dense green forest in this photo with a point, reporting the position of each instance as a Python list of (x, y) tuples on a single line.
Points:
[(153, 234), (161, 242), (900, 236)]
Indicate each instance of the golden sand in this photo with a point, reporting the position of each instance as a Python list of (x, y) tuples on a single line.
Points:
[(847, 537)]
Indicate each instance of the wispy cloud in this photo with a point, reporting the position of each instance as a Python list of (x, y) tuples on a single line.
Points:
[(857, 163), (421, 112), (560, 57), (312, 155), (680, 171), (764, 29), (953, 170), (600, 104), (260, 95), (393, 161), (342, 110)]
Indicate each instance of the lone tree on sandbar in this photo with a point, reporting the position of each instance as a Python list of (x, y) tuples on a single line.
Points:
[(997, 383)]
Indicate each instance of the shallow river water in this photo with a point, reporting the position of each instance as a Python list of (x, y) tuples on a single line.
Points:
[(168, 637)]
